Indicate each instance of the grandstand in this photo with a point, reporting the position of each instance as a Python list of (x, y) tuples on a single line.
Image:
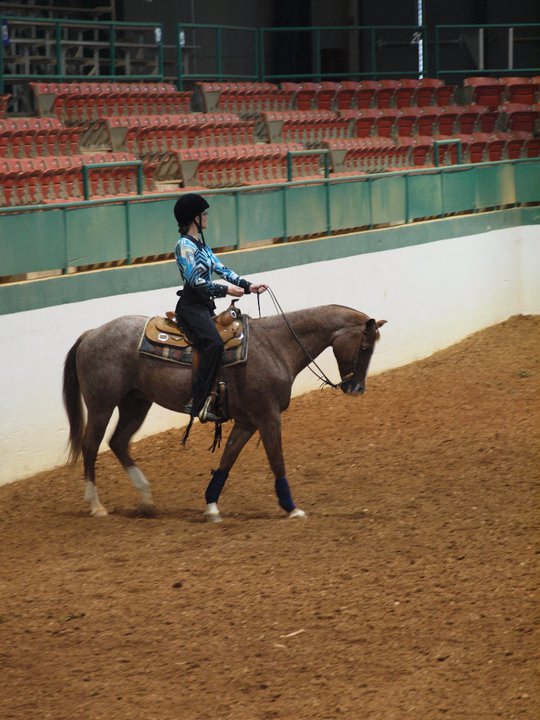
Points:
[(247, 129), (88, 115)]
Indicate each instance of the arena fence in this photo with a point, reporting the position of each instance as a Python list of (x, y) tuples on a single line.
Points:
[(520, 41), (63, 238), (63, 50)]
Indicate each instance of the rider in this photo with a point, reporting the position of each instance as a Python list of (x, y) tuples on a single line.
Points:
[(195, 308)]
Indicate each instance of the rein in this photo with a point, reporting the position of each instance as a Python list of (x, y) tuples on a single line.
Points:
[(321, 375)]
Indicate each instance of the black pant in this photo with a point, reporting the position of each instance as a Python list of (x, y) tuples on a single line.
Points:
[(196, 321)]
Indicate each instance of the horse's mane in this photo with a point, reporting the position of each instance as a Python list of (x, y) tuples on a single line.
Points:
[(321, 311)]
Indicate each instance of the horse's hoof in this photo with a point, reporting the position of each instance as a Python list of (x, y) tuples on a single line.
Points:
[(99, 512), (213, 517), (146, 510), (211, 514), (297, 513)]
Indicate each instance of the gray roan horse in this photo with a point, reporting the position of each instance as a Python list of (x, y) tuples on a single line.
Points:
[(105, 367)]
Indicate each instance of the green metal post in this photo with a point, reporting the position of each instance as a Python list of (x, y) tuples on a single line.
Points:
[(370, 199), (218, 53), (406, 177), (1, 57), (160, 50), (237, 218), (85, 182), (289, 167), (256, 38), (112, 49), (179, 59), (318, 54), (373, 55), (327, 200), (285, 228), (58, 47), (437, 52), (262, 68), (128, 232)]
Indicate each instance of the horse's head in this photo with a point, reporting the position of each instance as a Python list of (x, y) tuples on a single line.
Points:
[(353, 348)]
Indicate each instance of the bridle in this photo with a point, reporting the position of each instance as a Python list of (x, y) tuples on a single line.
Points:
[(321, 375), (362, 348)]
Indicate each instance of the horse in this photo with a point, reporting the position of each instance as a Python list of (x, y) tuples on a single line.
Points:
[(105, 368)]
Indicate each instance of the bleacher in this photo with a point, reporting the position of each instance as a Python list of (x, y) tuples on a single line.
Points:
[(240, 134)]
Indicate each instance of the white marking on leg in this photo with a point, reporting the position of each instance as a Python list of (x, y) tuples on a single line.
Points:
[(212, 513), (91, 496), (139, 481), (297, 513)]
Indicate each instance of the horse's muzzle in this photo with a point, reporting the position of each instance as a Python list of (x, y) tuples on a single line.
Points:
[(353, 388)]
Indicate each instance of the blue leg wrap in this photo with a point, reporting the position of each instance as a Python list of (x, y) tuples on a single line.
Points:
[(215, 486), (283, 493)]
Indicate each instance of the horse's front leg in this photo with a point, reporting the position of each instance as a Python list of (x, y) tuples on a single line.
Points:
[(238, 437), (270, 431)]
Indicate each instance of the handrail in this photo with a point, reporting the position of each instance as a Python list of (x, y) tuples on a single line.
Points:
[(68, 21), (482, 69), (56, 42), (302, 153), (13, 209), (218, 74), (123, 163), (318, 75), (254, 60), (453, 141)]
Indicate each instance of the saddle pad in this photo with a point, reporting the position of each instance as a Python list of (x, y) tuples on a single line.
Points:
[(172, 346)]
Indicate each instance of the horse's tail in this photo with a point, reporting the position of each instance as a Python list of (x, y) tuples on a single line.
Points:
[(73, 403)]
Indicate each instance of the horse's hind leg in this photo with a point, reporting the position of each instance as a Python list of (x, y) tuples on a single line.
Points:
[(238, 437), (132, 411), (93, 435)]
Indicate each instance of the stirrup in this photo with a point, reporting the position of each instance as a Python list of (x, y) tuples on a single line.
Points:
[(206, 414), (209, 412)]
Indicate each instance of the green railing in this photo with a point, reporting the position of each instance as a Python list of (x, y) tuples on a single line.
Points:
[(442, 143), (35, 48), (38, 49), (52, 238), (377, 42), (218, 46), (87, 167), (224, 50), (517, 43)]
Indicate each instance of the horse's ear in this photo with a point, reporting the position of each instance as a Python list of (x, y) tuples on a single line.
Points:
[(380, 323), (370, 323)]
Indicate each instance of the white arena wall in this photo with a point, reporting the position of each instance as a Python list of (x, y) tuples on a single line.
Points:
[(432, 295)]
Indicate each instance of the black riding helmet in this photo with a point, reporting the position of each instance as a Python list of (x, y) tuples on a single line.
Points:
[(189, 208)]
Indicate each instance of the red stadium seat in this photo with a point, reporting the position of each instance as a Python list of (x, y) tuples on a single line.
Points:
[(520, 118), (366, 93), (405, 95), (484, 91), (346, 95), (428, 118), (386, 91), (521, 90), (406, 121), (362, 122)]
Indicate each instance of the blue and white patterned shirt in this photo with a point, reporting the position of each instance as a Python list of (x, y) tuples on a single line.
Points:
[(197, 263)]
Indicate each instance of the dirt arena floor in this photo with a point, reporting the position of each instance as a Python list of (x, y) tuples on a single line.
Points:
[(411, 592)]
